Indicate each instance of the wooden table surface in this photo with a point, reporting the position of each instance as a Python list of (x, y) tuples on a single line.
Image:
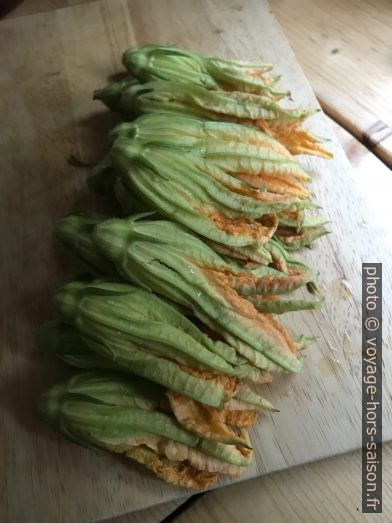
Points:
[(344, 49), (328, 491), (357, 102), (322, 492)]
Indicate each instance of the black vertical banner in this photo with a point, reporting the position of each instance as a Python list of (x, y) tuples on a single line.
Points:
[(371, 388)]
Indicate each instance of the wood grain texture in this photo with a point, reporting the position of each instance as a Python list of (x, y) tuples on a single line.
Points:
[(362, 160), (344, 49), (153, 514), (322, 492), (51, 63), (341, 475), (329, 490), (32, 7)]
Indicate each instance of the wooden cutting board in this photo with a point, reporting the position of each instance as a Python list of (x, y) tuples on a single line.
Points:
[(51, 63)]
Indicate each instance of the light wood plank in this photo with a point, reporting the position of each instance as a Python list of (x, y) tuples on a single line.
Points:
[(150, 515), (329, 490), (345, 57), (312, 477), (321, 492), (51, 62), (344, 49), (329, 42), (32, 7)]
